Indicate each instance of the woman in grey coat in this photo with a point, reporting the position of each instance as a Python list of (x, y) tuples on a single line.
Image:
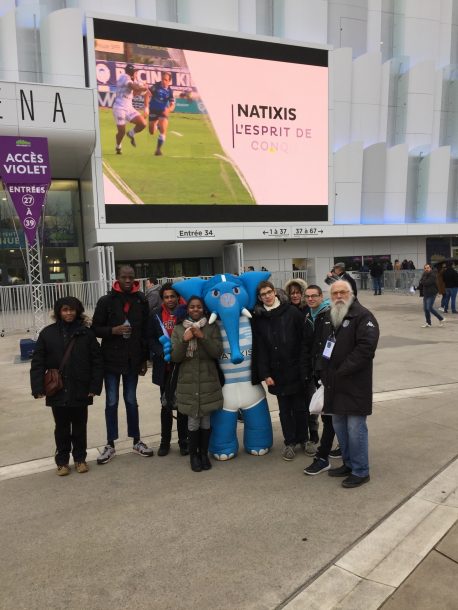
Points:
[(197, 345)]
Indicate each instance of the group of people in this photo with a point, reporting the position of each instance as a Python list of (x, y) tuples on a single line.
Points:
[(300, 340), (159, 102), (442, 281)]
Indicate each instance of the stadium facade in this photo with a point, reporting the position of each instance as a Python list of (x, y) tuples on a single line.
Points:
[(392, 184)]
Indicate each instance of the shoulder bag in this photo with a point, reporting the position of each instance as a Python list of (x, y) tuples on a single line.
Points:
[(53, 381)]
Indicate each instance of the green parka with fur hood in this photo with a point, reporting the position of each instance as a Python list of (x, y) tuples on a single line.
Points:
[(199, 388)]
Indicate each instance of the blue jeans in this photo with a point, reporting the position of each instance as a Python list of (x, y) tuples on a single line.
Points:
[(377, 285), (428, 308), (129, 390), (450, 295), (351, 431)]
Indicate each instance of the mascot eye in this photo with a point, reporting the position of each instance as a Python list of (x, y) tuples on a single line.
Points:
[(215, 293), (236, 290)]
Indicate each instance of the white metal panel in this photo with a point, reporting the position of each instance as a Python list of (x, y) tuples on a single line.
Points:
[(97, 264), (373, 185), (219, 14), (9, 65), (341, 76), (62, 54), (305, 21), (396, 184), (437, 188)]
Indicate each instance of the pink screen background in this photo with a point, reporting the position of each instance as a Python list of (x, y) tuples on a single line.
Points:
[(296, 173)]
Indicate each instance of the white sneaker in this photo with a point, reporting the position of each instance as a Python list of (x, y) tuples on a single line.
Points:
[(442, 322), (107, 454), (143, 449), (426, 325), (441, 309)]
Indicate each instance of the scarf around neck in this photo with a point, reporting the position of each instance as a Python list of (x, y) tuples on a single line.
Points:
[(192, 345), (274, 306)]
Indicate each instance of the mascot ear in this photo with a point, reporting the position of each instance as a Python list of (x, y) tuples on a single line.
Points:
[(188, 288), (250, 280)]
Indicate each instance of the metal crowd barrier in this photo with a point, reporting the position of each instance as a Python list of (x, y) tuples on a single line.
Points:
[(392, 281), (16, 302)]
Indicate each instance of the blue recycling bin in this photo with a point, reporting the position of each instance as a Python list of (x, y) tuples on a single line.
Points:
[(27, 347)]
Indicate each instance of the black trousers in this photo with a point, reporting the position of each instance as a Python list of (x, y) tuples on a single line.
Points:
[(327, 437), (167, 423), (293, 418), (70, 433)]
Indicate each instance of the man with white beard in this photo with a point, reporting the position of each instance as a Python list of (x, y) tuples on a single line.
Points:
[(350, 336)]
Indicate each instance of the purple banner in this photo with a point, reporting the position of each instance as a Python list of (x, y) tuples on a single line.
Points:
[(25, 172)]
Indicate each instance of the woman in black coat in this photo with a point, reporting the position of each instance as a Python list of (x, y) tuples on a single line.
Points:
[(281, 359), (82, 378)]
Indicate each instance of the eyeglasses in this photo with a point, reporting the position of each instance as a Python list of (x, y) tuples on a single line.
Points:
[(337, 292), (312, 296), (267, 293)]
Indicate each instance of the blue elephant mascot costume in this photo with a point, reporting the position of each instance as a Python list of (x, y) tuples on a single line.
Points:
[(229, 299)]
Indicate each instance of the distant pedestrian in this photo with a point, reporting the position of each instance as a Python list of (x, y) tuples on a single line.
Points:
[(376, 271), (82, 376), (450, 277), (338, 273), (152, 293), (428, 289)]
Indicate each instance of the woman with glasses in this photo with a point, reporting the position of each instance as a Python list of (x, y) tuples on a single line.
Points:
[(281, 359)]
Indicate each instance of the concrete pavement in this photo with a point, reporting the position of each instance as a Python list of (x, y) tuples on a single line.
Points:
[(253, 532)]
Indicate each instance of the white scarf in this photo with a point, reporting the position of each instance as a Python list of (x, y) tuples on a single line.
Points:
[(192, 344)]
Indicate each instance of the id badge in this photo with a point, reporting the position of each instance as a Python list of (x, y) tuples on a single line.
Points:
[(330, 343)]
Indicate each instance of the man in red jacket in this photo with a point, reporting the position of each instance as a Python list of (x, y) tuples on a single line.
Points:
[(121, 319)]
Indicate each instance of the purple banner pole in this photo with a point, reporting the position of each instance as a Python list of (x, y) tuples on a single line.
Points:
[(25, 172)]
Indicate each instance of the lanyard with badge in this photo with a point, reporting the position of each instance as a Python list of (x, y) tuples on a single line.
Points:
[(329, 346)]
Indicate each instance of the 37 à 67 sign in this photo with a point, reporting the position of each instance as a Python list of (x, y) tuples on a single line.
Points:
[(25, 172)]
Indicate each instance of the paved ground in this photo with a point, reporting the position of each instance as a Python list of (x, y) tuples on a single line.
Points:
[(252, 533)]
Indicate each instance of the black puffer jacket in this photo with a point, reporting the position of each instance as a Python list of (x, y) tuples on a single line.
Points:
[(83, 372), (280, 348), (121, 355), (347, 375)]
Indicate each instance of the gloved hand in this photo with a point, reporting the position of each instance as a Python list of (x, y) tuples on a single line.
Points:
[(166, 346)]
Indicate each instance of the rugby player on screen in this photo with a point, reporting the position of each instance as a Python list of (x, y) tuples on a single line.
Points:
[(123, 110), (160, 102)]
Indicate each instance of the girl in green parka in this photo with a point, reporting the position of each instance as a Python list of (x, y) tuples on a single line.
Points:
[(197, 345)]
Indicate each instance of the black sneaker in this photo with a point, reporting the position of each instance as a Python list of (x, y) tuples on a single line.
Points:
[(318, 465), (354, 481), (163, 449), (336, 453), (342, 471), (118, 151), (183, 450)]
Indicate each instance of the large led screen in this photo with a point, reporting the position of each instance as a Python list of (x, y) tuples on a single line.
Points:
[(207, 128)]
